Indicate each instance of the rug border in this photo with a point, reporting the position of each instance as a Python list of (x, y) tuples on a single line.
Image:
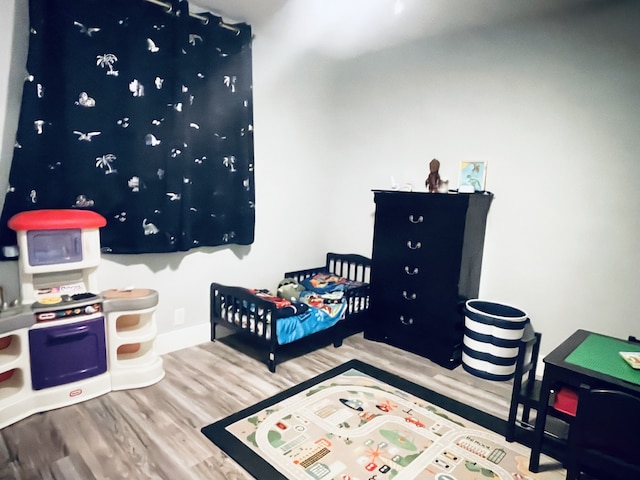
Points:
[(259, 468)]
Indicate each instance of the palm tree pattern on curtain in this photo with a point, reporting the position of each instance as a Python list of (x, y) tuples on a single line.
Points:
[(142, 115)]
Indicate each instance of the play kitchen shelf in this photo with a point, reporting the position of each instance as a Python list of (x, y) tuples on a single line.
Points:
[(15, 381), (15, 378), (132, 330)]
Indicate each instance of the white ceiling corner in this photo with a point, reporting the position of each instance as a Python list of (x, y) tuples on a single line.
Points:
[(248, 11)]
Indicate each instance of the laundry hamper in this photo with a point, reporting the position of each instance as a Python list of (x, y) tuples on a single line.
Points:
[(491, 335)]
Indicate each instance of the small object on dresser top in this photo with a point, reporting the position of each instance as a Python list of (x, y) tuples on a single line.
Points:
[(444, 186)]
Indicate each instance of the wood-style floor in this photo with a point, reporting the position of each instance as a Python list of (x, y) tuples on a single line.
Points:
[(154, 432)]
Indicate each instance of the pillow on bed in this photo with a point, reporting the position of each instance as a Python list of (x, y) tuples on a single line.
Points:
[(329, 302), (284, 308), (328, 282)]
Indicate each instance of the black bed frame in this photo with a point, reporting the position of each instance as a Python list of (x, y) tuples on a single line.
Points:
[(243, 312)]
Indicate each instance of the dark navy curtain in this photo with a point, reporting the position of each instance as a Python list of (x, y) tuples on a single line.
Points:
[(143, 114)]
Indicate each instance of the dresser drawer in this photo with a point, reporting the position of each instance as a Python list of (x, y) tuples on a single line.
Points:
[(404, 252), (403, 330), (425, 215), (419, 298), (417, 272)]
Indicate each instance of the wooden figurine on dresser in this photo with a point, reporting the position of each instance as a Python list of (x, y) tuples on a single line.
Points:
[(433, 180)]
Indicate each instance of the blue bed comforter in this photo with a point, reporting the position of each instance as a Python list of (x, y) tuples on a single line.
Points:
[(313, 320), (324, 296)]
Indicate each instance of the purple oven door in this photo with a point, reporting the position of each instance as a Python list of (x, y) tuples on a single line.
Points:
[(67, 353)]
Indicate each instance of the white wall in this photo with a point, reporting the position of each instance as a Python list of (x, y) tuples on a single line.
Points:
[(551, 102), (13, 55)]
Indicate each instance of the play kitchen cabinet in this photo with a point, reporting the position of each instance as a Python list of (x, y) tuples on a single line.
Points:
[(15, 374), (132, 331), (51, 358), (427, 257)]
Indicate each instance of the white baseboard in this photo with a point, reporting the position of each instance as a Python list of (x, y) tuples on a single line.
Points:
[(183, 338)]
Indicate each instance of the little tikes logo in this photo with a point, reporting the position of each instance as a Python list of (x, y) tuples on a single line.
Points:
[(75, 393)]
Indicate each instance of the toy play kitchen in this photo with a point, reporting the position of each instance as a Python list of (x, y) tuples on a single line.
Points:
[(63, 343)]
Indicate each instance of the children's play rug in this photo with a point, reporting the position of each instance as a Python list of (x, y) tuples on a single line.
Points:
[(361, 423)]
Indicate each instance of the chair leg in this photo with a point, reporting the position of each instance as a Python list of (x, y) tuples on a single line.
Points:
[(511, 423), (572, 473), (526, 411), (510, 434)]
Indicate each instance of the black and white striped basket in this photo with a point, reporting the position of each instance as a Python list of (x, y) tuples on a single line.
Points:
[(491, 336)]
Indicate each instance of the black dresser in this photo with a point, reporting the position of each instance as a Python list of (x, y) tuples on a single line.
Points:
[(427, 256)]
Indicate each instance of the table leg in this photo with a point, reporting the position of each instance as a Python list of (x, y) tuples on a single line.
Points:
[(541, 420)]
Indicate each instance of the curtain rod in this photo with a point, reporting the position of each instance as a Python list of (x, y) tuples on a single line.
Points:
[(202, 18)]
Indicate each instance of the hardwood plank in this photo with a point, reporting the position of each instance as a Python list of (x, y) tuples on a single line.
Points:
[(154, 432)]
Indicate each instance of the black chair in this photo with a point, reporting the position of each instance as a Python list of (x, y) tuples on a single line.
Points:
[(526, 388), (603, 436)]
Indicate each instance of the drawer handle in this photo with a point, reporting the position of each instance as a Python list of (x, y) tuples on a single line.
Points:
[(413, 219), (77, 331), (406, 296), (414, 246), (406, 321), (411, 272)]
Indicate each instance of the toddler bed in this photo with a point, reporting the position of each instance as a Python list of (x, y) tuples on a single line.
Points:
[(335, 301)]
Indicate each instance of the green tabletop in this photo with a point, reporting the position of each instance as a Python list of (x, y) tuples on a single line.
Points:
[(601, 354)]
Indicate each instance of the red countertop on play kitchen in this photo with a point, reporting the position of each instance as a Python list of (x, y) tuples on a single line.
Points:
[(55, 220)]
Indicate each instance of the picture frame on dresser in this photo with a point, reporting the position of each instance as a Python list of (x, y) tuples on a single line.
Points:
[(473, 176)]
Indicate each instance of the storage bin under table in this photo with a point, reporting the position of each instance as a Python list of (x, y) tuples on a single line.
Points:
[(131, 332)]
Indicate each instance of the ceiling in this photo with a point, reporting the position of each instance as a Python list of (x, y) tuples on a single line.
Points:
[(249, 11), (347, 28), (460, 11)]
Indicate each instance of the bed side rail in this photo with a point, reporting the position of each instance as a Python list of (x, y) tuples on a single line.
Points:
[(239, 309)]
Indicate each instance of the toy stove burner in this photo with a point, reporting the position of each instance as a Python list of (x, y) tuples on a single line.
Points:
[(66, 306)]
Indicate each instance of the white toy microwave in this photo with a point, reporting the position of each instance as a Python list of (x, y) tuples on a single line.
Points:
[(57, 247)]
